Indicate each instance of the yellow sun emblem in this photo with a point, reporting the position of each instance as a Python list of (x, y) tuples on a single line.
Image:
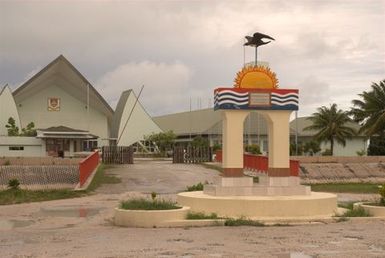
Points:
[(256, 77)]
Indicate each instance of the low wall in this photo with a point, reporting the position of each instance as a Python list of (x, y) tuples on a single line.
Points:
[(40, 177), (341, 159), (259, 163), (87, 166)]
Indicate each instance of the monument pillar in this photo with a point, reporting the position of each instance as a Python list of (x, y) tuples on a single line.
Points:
[(232, 140), (278, 122)]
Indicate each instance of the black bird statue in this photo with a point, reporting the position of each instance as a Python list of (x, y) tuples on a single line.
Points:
[(256, 41)]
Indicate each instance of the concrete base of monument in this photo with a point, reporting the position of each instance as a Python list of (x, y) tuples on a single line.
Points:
[(267, 186), (313, 206)]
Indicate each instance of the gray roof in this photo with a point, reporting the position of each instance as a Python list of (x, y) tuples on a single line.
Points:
[(61, 128), (208, 121)]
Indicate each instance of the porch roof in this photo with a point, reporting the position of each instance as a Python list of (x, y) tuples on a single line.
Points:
[(64, 132)]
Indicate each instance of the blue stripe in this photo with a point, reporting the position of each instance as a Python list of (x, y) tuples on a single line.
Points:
[(282, 97), (283, 100), (231, 94)]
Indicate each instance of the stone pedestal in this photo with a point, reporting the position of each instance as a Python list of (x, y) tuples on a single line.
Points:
[(232, 139), (267, 186)]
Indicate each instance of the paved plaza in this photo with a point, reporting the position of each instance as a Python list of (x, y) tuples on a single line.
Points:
[(82, 227)]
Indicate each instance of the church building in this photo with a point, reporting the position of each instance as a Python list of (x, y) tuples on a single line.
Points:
[(69, 114)]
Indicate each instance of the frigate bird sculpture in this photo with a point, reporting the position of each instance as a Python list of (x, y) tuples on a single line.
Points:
[(256, 41)]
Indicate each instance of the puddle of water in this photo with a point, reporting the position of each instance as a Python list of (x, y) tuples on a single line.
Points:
[(70, 211), (12, 223)]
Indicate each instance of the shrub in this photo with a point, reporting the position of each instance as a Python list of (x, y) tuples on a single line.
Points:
[(197, 187), (357, 212), (143, 204), (381, 191), (7, 163), (253, 149), (14, 184), (327, 152), (243, 222), (153, 196), (216, 147), (201, 215)]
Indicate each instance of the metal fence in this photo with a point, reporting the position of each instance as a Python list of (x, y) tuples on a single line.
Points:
[(118, 155), (192, 154)]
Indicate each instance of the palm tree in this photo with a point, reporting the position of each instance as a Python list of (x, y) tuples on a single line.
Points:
[(330, 124), (370, 111)]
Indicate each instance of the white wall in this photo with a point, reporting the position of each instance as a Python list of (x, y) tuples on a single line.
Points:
[(33, 147), (351, 148), (139, 125), (7, 109), (73, 113)]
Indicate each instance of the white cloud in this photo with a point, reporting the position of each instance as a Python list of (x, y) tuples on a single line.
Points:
[(165, 85), (338, 43)]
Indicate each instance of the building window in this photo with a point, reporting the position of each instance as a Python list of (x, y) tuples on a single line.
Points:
[(90, 145), (16, 148)]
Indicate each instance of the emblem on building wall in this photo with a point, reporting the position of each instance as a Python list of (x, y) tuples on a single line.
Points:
[(53, 104)]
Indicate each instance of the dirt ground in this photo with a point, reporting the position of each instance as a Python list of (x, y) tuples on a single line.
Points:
[(82, 227)]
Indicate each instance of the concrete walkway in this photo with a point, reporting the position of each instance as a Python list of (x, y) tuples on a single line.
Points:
[(162, 177)]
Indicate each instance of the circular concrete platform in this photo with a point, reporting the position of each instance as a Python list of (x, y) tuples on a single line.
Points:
[(315, 205)]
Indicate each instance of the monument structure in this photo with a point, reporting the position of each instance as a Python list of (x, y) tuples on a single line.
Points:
[(277, 194)]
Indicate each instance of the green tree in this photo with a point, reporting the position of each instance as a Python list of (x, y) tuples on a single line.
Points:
[(331, 125), (296, 151), (12, 129), (376, 146), (312, 147), (29, 130), (199, 141), (164, 140), (369, 111)]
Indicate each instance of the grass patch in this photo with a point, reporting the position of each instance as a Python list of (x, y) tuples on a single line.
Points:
[(243, 222), (101, 178), (13, 196), (346, 188), (201, 215), (212, 166), (143, 204), (357, 212), (197, 187)]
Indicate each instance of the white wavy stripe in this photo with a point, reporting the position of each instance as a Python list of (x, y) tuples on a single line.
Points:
[(284, 95), (284, 99), (233, 92), (232, 102), (284, 104), (232, 98)]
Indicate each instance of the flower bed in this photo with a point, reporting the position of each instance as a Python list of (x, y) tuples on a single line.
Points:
[(148, 214)]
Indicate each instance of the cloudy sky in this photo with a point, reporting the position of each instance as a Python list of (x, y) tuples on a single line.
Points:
[(182, 50)]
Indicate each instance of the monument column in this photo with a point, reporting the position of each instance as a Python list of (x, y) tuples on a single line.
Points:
[(232, 141), (279, 142)]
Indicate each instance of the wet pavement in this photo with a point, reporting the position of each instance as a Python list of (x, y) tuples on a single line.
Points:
[(82, 227)]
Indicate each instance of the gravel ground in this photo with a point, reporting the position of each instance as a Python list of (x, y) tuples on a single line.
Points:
[(82, 227)]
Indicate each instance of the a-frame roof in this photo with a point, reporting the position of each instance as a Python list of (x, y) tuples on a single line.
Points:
[(65, 70)]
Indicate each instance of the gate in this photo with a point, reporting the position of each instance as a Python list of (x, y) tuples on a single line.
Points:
[(118, 155), (192, 155)]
